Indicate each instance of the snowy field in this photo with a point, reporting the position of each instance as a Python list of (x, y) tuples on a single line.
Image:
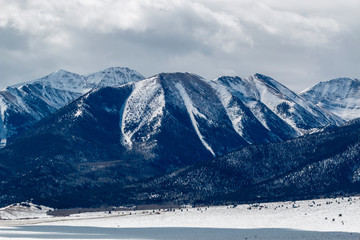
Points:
[(319, 219)]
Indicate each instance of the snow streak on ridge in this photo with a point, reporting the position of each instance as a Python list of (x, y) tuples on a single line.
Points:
[(246, 92), (2, 120), (273, 97), (192, 111), (234, 111)]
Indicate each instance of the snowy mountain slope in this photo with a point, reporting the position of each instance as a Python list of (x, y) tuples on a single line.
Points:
[(340, 96), (320, 164), (193, 111), (248, 114), (145, 128), (22, 107), (197, 108), (275, 106), (143, 109), (24, 104), (161, 107), (118, 136)]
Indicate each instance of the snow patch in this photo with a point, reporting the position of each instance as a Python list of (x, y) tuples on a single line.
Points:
[(3, 107), (3, 142), (78, 113), (3, 135), (143, 109), (356, 175)]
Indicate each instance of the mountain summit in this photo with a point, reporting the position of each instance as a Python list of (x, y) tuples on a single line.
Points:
[(24, 104), (72, 82)]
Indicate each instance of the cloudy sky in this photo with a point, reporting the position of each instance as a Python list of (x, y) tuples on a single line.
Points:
[(299, 43)]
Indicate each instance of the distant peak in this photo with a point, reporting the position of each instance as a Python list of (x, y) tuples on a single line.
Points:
[(343, 79), (224, 77), (61, 71), (117, 69), (263, 77), (229, 79), (270, 81), (177, 74)]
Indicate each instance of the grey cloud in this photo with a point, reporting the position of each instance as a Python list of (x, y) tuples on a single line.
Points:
[(294, 43), (11, 40)]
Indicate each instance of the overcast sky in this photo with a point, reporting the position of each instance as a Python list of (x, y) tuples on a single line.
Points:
[(298, 43)]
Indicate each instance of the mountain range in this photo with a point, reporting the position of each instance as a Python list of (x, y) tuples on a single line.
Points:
[(115, 137)]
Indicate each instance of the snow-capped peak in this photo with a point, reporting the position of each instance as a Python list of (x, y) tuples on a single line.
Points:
[(114, 76), (340, 96), (68, 81)]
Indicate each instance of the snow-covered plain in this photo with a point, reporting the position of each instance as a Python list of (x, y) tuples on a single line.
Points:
[(315, 219)]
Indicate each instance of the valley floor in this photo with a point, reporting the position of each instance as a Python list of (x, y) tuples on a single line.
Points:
[(314, 219)]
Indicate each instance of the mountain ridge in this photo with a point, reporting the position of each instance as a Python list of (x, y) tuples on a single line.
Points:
[(113, 76)]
